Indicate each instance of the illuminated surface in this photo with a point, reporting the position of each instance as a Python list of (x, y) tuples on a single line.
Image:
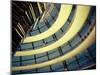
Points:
[(90, 39), (82, 11), (65, 54), (62, 17)]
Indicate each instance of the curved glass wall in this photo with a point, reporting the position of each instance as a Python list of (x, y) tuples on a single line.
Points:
[(83, 60)]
